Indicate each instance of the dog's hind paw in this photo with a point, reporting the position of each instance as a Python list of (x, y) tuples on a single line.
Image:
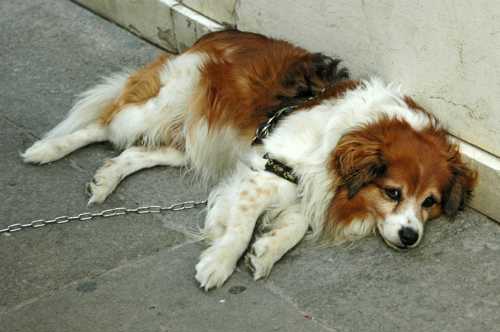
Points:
[(42, 152), (213, 269)]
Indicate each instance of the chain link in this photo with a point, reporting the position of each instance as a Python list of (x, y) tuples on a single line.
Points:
[(119, 211)]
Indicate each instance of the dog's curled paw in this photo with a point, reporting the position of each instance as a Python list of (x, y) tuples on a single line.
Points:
[(103, 183), (260, 259), (98, 190)]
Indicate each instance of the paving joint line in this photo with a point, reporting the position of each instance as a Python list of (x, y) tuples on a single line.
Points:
[(270, 286), (72, 283)]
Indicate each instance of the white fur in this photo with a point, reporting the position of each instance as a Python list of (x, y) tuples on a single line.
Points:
[(153, 121), (213, 155)]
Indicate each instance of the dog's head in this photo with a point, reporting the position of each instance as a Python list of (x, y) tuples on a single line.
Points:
[(397, 178)]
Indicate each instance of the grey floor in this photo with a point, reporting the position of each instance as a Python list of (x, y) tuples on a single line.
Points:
[(135, 273)]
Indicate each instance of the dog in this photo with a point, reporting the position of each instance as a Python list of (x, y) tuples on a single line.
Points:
[(335, 159)]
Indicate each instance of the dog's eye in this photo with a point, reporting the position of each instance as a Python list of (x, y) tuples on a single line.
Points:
[(428, 202), (393, 193)]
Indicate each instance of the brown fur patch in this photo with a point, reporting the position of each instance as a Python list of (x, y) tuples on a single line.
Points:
[(344, 210), (140, 86), (241, 80), (246, 76)]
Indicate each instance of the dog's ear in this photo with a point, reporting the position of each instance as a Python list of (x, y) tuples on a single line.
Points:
[(357, 161), (460, 185)]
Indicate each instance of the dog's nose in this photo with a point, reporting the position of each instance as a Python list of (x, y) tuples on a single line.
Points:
[(408, 236)]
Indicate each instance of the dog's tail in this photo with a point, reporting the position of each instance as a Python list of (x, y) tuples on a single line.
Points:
[(90, 105)]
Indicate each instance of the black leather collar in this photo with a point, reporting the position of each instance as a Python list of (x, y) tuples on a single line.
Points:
[(280, 169)]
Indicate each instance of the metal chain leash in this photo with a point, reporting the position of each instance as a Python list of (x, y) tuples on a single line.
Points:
[(88, 216)]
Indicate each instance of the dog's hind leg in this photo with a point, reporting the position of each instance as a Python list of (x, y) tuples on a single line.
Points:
[(81, 126), (287, 230), (245, 197), (53, 148), (130, 161)]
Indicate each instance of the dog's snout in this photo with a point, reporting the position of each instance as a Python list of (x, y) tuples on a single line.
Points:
[(408, 236)]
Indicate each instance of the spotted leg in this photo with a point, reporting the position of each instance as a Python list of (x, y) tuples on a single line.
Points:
[(246, 196)]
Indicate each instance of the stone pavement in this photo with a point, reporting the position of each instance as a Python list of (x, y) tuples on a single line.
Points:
[(135, 273)]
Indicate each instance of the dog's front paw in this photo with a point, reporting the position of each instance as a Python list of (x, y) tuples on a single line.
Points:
[(102, 185), (260, 259), (42, 152), (214, 268), (98, 190)]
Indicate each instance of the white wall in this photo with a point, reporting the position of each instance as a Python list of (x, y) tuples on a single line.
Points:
[(223, 11), (167, 23), (446, 53)]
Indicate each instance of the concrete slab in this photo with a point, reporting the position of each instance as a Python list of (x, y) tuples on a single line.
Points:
[(159, 293), (38, 261), (136, 273), (11, 8), (450, 283), (51, 51)]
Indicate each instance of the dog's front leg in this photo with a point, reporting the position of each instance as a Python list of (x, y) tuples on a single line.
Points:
[(246, 196), (285, 232)]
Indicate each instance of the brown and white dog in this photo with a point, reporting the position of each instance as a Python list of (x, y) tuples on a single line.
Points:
[(368, 158)]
